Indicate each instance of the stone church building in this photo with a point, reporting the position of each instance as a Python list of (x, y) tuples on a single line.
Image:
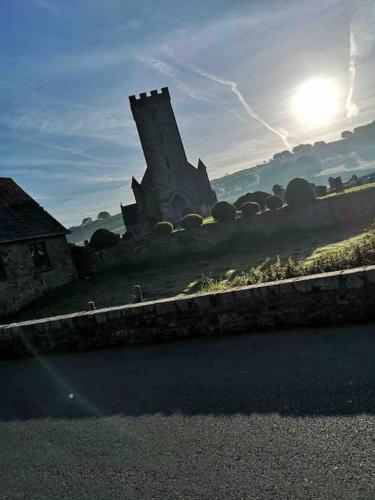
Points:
[(171, 187)]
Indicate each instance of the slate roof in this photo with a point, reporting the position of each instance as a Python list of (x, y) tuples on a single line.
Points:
[(21, 217)]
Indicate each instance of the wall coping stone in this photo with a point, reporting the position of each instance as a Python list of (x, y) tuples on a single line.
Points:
[(168, 305)]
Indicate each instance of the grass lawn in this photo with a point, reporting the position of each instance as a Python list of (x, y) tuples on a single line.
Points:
[(369, 185), (116, 287), (346, 254)]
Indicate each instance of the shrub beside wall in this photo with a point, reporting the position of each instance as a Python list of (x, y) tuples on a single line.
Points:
[(274, 202), (336, 211), (321, 191), (257, 197), (163, 228), (250, 208), (191, 221), (299, 193), (223, 211), (102, 238)]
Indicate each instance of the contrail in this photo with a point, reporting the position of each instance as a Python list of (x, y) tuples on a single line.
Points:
[(249, 110), (351, 107), (362, 38), (169, 71)]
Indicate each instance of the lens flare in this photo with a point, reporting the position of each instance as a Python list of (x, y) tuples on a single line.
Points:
[(316, 101)]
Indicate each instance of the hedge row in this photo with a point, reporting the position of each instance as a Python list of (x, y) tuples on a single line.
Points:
[(299, 193)]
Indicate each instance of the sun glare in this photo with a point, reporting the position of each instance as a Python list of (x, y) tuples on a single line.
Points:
[(316, 101)]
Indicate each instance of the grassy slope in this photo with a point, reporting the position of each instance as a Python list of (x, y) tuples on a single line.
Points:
[(114, 223), (369, 185), (349, 253), (115, 287), (360, 162)]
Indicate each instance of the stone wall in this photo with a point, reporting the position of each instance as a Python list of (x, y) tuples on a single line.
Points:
[(325, 299), (337, 211), (23, 283)]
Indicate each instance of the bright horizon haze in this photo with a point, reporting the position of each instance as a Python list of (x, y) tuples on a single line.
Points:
[(247, 79)]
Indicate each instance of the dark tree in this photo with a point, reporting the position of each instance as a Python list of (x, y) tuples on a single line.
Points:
[(299, 193), (103, 215), (347, 134), (86, 220)]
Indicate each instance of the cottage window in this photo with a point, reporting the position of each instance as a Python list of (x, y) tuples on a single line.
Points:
[(39, 256), (3, 274)]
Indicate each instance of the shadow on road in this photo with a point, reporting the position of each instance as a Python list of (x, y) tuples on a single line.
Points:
[(308, 372)]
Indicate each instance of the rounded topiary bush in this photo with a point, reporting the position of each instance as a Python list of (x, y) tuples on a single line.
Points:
[(163, 228), (223, 211), (321, 191), (299, 193), (274, 202), (258, 197), (250, 208), (102, 238), (191, 221), (277, 190)]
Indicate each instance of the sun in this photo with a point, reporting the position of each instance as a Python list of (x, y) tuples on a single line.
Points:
[(316, 101)]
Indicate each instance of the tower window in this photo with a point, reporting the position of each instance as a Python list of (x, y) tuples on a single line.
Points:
[(39, 256), (154, 113), (168, 164), (161, 139), (3, 274)]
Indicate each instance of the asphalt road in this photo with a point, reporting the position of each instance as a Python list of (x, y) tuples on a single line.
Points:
[(259, 416)]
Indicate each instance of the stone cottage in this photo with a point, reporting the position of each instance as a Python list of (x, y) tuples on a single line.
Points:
[(171, 187), (35, 257)]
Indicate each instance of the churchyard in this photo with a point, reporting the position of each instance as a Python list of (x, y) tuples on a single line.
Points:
[(298, 237), (183, 276)]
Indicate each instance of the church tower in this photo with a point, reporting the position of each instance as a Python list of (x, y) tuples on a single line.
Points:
[(171, 186)]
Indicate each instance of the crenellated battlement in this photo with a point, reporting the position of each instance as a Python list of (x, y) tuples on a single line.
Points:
[(149, 99)]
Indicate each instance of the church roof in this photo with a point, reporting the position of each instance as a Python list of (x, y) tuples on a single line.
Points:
[(130, 214), (146, 182), (21, 217), (147, 179), (201, 165), (135, 183)]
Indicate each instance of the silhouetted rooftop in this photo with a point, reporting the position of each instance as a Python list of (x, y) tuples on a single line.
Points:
[(130, 214), (21, 217)]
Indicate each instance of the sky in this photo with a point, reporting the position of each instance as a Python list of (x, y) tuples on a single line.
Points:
[(233, 69)]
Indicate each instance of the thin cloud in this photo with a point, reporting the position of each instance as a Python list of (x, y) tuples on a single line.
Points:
[(169, 71), (68, 119), (249, 110), (51, 7), (362, 40)]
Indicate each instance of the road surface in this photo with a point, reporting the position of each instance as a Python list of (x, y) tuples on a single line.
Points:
[(279, 415)]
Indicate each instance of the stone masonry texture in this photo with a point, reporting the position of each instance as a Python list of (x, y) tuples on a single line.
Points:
[(325, 299), (23, 283)]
